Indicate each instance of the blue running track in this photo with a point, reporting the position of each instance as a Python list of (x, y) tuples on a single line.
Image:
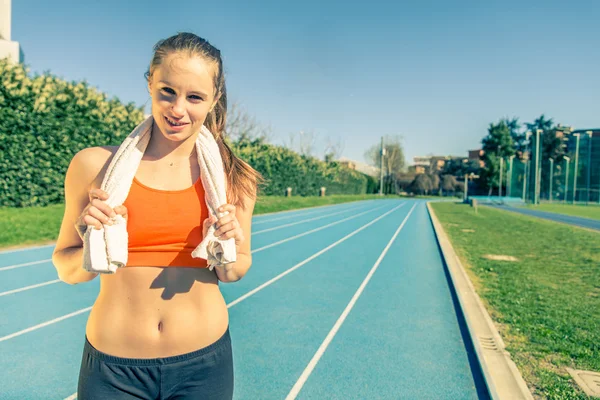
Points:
[(565, 219), (350, 301)]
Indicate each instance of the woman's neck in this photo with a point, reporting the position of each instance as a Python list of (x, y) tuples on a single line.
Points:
[(161, 148)]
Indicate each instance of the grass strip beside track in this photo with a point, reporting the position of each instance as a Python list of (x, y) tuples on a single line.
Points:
[(40, 225), (546, 305)]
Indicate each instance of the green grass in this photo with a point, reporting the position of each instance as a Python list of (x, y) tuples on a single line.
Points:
[(40, 225), (269, 204), (590, 211), (29, 226), (547, 304)]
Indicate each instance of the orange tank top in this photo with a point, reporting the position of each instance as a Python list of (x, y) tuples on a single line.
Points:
[(165, 226)]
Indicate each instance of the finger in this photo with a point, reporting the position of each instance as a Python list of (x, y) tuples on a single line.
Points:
[(225, 228), (225, 220), (105, 208), (91, 221), (227, 207), (99, 215), (227, 235), (121, 210)]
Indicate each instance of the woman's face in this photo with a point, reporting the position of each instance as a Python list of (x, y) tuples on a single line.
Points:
[(182, 90)]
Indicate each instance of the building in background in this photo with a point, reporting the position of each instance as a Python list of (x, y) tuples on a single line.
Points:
[(8, 48), (431, 164), (360, 167), (477, 155)]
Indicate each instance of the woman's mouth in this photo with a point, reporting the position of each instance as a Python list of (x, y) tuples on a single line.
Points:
[(174, 124)]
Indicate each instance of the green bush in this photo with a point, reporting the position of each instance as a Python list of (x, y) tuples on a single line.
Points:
[(45, 121), (284, 168)]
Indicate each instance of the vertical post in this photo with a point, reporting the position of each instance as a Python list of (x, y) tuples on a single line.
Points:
[(527, 166), (551, 173), (536, 195), (465, 192), (576, 166), (510, 171), (381, 172), (525, 180), (501, 168), (568, 160), (589, 169)]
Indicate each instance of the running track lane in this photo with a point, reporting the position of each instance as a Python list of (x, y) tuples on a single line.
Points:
[(412, 342)]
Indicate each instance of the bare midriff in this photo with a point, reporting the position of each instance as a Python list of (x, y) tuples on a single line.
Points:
[(152, 312)]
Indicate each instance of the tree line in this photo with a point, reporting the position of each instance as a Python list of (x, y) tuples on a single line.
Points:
[(505, 139)]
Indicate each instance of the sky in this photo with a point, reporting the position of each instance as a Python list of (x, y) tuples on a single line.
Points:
[(435, 73)]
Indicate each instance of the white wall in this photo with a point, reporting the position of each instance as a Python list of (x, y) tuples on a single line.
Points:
[(11, 50), (5, 14)]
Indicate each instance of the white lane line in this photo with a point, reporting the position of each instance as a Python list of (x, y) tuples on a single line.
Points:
[(33, 328), (43, 324), (313, 362), (254, 251), (254, 233), (295, 267), (25, 264), (303, 221), (71, 397), (315, 230), (29, 287), (309, 211)]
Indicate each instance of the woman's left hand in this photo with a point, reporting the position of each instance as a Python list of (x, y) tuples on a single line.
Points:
[(228, 226)]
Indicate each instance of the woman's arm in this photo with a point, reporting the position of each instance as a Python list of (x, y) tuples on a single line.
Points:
[(83, 173), (239, 226)]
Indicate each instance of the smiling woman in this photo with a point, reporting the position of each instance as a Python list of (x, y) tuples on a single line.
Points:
[(161, 321)]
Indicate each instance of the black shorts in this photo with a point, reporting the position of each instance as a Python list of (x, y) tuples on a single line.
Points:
[(202, 374)]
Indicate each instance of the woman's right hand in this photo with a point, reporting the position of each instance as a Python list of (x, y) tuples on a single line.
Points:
[(97, 212)]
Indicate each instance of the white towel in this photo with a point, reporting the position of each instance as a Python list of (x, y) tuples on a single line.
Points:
[(105, 249)]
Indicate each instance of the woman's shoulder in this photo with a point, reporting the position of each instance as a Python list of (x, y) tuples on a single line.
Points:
[(90, 164)]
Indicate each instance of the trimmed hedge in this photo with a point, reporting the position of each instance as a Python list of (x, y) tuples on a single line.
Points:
[(45, 121), (284, 168)]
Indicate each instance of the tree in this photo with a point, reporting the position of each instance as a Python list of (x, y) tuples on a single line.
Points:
[(421, 184), (242, 126), (393, 161), (497, 144), (434, 178), (302, 142), (551, 147), (333, 149), (449, 183), (519, 137)]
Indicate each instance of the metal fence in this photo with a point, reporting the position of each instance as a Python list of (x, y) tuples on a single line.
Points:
[(573, 178)]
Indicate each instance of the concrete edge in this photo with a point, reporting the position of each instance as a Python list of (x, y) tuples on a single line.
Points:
[(503, 379)]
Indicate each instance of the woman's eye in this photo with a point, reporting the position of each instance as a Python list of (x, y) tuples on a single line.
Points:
[(194, 97), (168, 90)]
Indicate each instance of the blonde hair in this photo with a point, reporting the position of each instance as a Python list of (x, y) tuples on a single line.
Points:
[(242, 179)]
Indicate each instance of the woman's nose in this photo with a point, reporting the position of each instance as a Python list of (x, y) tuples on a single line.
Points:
[(179, 107)]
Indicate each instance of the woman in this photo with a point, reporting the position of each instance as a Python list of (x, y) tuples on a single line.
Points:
[(159, 327)]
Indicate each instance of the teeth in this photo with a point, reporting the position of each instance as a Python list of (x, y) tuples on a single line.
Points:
[(174, 123)]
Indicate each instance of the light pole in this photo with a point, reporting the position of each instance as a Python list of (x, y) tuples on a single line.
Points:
[(527, 165), (381, 172), (575, 167), (537, 167), (568, 160), (589, 165), (551, 172), (501, 168), (510, 168)]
